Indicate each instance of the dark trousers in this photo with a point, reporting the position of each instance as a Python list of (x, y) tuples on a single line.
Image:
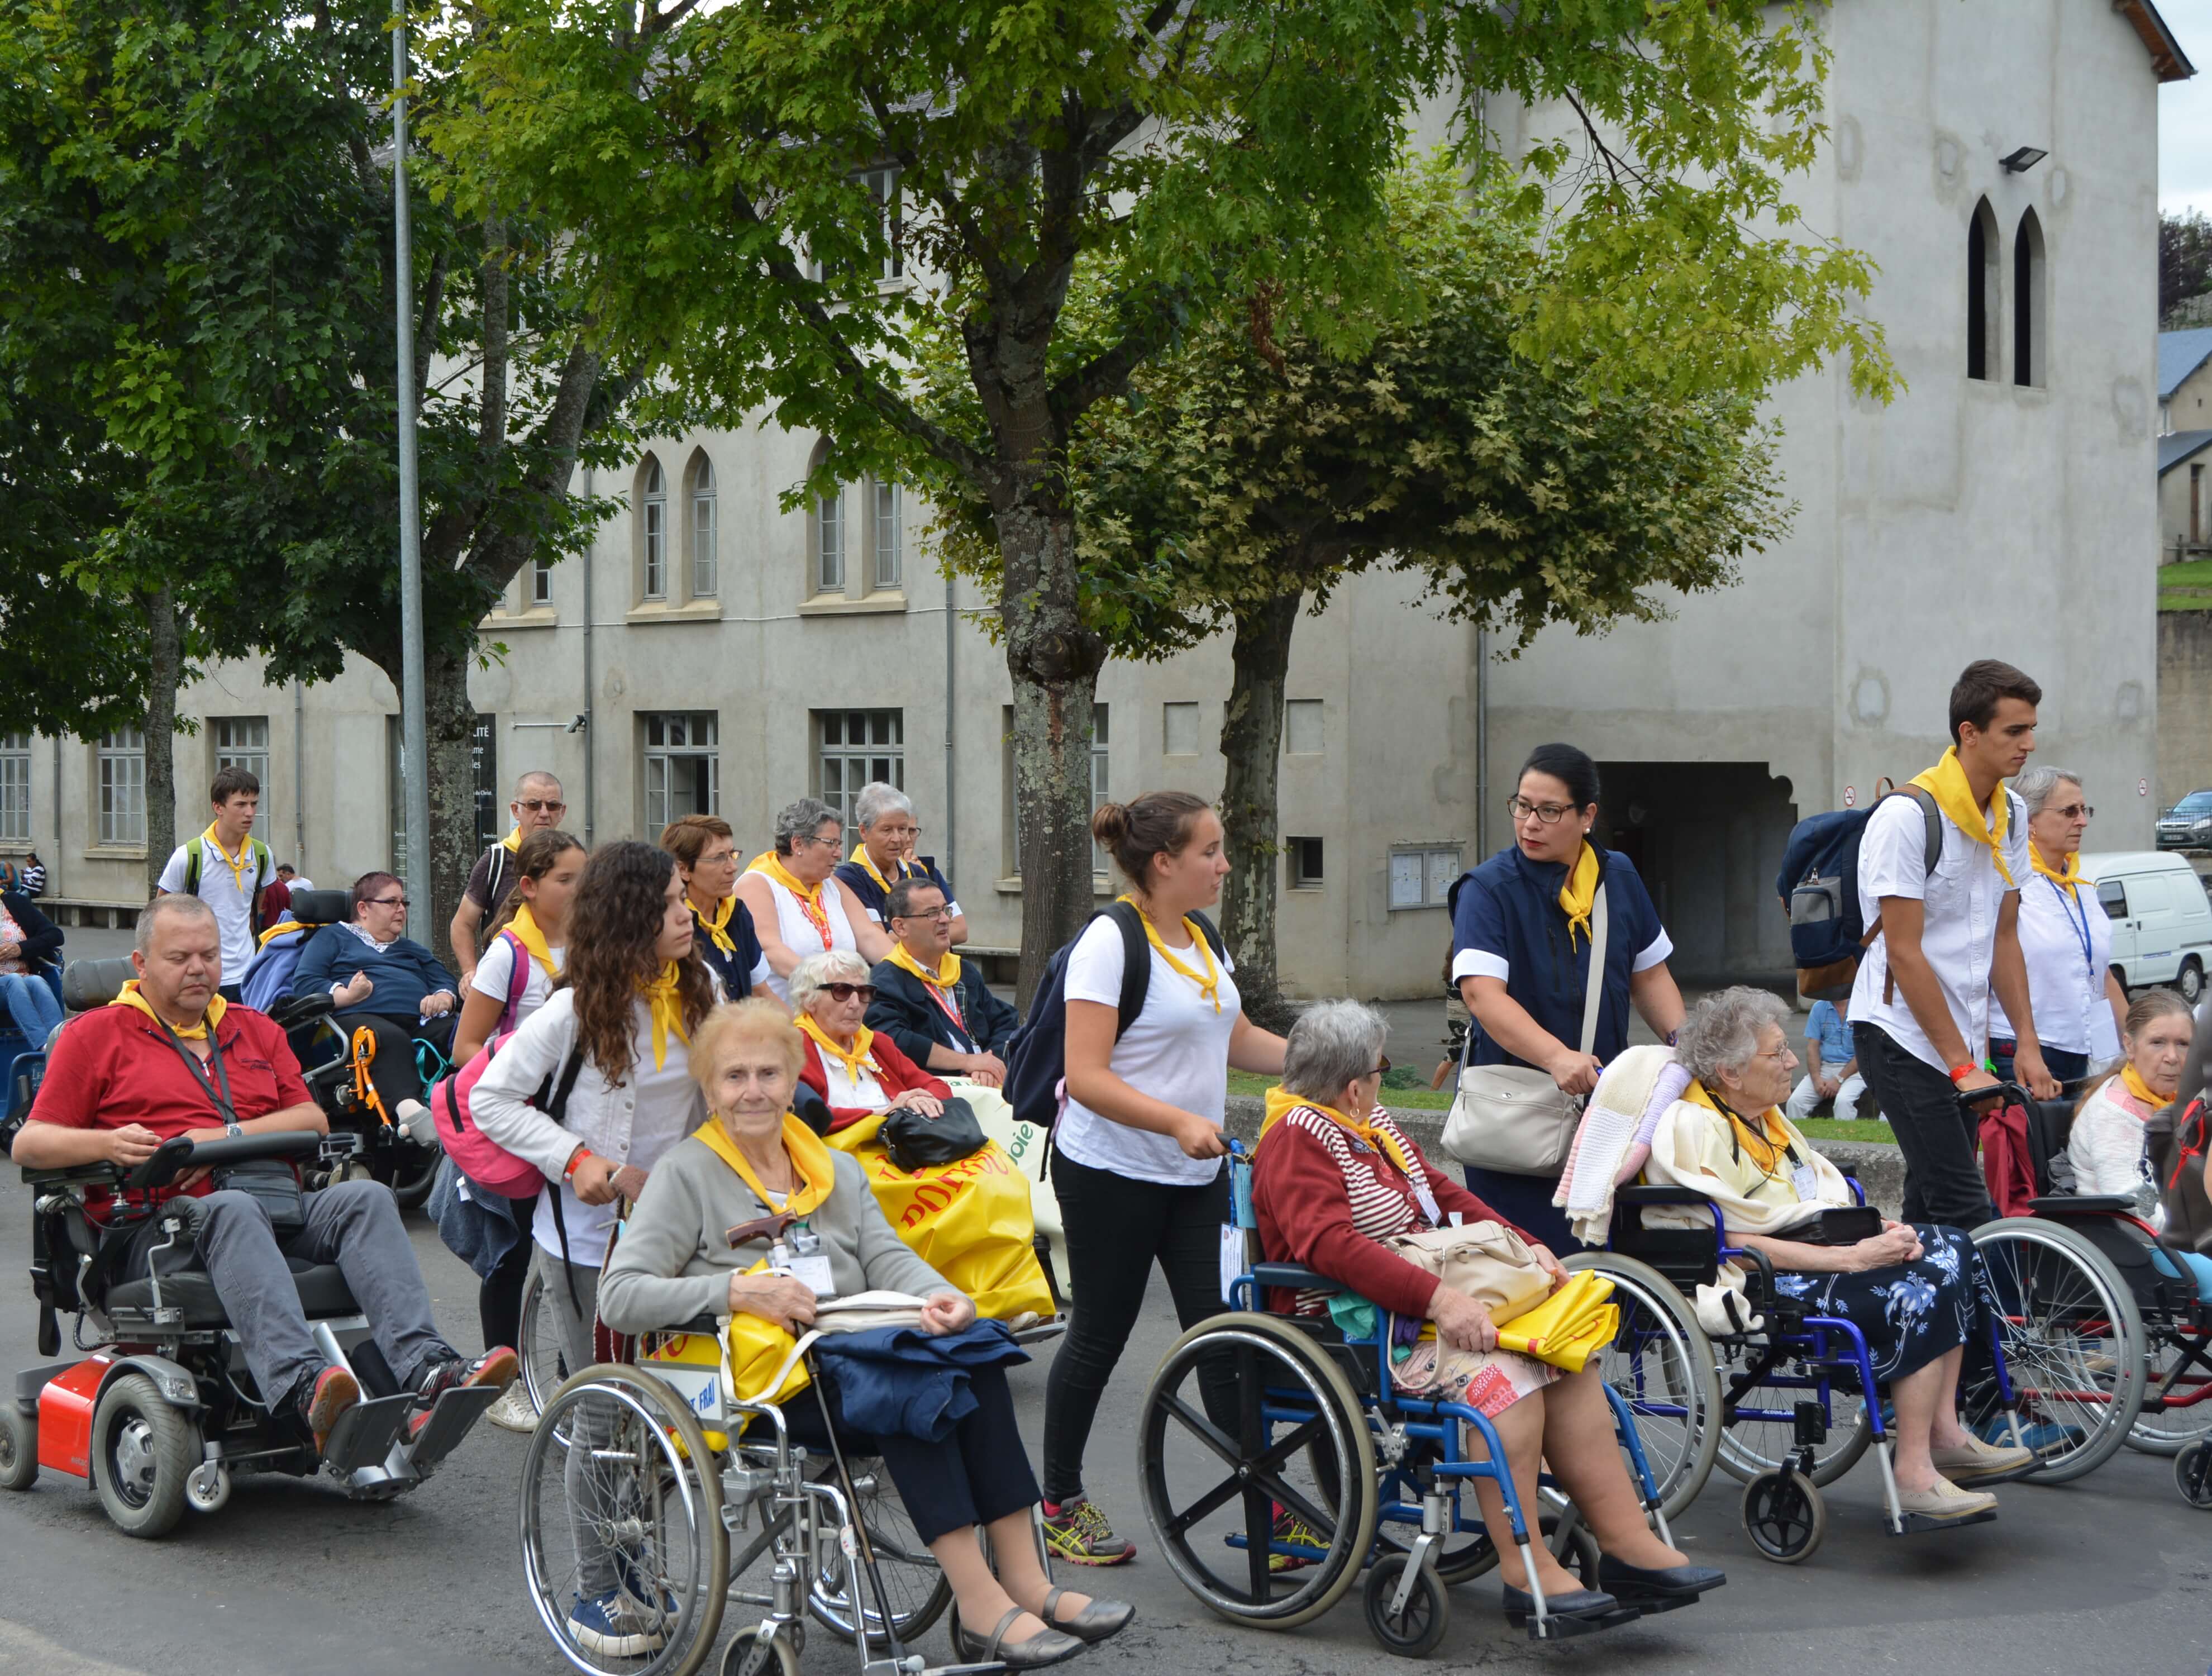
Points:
[(2063, 1063), (233, 992), (392, 1072), (499, 1300), (979, 1474), (1117, 1229), (1935, 1132), (1526, 1202)]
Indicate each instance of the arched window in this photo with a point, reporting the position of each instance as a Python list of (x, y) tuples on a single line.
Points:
[(1983, 307), (706, 572), (653, 528), (2028, 329)]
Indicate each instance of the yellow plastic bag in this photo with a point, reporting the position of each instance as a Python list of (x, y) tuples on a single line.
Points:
[(969, 1220), (1568, 1327)]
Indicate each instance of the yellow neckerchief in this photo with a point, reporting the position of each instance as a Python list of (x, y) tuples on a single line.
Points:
[(529, 933), (852, 1059), (1578, 896), (817, 1173), (667, 1011), (1281, 1103), (277, 930), (945, 977), (906, 869), (2065, 881), (1947, 783), (237, 864), (513, 841), (132, 998), (716, 925), (1774, 1142), (2141, 1090), (810, 896), (1209, 981)]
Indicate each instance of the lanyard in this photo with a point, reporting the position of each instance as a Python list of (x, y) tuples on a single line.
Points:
[(944, 999), (221, 1102), (2080, 927)]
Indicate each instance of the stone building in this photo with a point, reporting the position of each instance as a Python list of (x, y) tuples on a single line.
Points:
[(1997, 159)]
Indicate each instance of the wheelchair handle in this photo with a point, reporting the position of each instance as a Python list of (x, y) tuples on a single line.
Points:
[(177, 1154), (298, 1010), (1968, 1098)]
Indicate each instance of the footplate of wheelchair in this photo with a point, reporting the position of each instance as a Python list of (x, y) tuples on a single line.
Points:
[(1557, 1626), (364, 1433), (451, 1417), (1912, 1524)]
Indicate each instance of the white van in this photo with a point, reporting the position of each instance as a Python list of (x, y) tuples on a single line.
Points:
[(2161, 918)]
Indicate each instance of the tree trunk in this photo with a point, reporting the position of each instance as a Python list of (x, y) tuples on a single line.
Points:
[(451, 721), (164, 663), (1252, 744)]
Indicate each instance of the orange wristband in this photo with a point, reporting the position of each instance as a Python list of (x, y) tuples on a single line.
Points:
[(568, 1170)]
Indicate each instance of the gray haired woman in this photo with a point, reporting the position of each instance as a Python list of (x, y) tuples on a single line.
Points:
[(858, 1073), (798, 906), (1334, 1177), (1916, 1292), (2064, 937), (884, 817)]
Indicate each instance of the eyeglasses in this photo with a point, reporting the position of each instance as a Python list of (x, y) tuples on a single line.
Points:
[(846, 992), (1778, 1055), (1550, 813), (1382, 1069), (940, 912), (385, 902), (540, 805), (834, 843), (2079, 812)]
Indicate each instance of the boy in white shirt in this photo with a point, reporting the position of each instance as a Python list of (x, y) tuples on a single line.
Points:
[(230, 870)]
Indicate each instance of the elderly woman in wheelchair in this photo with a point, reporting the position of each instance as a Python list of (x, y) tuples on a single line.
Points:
[(753, 1217)]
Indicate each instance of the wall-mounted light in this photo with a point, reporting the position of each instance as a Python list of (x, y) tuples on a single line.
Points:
[(2021, 161)]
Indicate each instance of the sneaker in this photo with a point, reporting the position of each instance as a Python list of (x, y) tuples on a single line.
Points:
[(1293, 1532), (495, 1367), (513, 1412), (1077, 1531), (415, 1122), (323, 1403), (610, 1626), (1975, 1458), (1945, 1500), (2041, 1436)]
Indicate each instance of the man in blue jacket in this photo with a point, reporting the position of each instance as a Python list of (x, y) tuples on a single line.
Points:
[(930, 1003), (378, 978)]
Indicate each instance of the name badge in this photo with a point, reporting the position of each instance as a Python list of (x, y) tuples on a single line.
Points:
[(1801, 1178), (1428, 1204), (813, 1268)]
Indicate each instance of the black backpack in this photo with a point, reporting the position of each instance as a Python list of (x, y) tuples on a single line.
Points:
[(1036, 1057), (1818, 885)]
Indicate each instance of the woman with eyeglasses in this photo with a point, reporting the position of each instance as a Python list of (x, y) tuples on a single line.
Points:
[(706, 852), (2065, 939), (857, 1071), (1522, 932), (884, 816), (800, 907)]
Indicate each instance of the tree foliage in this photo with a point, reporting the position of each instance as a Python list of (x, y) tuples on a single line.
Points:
[(2184, 263)]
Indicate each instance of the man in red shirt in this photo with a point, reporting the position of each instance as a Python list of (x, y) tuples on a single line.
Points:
[(168, 1057)]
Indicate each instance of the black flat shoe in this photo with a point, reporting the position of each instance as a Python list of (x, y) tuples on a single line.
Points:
[(1632, 1584), (1101, 1620), (1581, 1603)]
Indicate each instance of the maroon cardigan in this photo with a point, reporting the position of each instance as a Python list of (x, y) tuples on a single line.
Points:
[(894, 1069)]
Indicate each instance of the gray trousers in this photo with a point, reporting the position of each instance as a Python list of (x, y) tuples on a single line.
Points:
[(355, 1225), (596, 1489)]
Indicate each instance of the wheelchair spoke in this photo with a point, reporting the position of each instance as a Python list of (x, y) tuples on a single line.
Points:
[(1204, 1505)]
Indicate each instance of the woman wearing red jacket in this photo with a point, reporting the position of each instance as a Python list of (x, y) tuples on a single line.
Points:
[(857, 1071)]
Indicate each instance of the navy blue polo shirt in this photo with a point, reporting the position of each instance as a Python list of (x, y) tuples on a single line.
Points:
[(740, 971), (872, 895), (1507, 923)]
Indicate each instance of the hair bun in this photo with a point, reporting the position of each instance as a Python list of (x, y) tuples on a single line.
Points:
[(1109, 824)]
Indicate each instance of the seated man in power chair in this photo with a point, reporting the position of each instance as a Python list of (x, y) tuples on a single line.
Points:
[(168, 1057)]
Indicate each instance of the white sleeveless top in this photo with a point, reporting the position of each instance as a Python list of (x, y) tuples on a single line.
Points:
[(797, 931)]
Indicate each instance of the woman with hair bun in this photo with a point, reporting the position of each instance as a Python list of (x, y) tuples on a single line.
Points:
[(1521, 936), (1137, 1156)]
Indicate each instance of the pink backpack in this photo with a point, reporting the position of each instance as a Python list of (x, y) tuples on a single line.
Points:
[(487, 1164)]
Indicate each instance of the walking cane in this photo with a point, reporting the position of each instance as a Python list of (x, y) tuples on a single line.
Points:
[(860, 1524)]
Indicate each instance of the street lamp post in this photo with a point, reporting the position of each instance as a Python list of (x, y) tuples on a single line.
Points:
[(415, 755)]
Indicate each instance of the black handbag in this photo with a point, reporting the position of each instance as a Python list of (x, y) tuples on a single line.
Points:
[(1840, 1225), (916, 1142), (273, 1184)]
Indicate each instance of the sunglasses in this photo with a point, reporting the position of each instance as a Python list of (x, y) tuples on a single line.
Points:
[(540, 805), (1382, 1068), (846, 992)]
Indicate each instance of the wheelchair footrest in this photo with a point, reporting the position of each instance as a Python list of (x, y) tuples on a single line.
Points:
[(364, 1433), (1914, 1523), (1661, 1603), (451, 1417), (1557, 1627)]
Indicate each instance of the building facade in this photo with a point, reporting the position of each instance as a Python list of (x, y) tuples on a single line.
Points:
[(713, 651)]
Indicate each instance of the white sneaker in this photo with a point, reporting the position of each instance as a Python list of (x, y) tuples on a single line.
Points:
[(416, 1121), (513, 1412)]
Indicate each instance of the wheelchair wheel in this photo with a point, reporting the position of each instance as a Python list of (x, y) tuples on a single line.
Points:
[(1751, 1446), (917, 1586), (142, 1450), (1415, 1632), (2174, 1372), (2193, 1474), (629, 1515), (2072, 1339), (1663, 1365), (18, 1448), (1785, 1515), (748, 1655), (413, 1173), (1211, 1493)]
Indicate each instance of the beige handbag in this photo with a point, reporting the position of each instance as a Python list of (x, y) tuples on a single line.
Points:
[(1512, 1117), (1487, 1260)]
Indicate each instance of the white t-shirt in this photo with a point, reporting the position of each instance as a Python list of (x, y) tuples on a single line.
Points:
[(846, 1089), (495, 972), (1175, 1050), (230, 896), (2068, 945), (1958, 931)]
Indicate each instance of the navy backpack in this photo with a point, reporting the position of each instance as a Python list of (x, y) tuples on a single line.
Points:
[(1818, 885)]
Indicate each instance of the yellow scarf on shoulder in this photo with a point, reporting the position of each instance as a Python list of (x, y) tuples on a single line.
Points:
[(854, 1057), (1281, 1103), (817, 1173), (1208, 981), (667, 1004), (1768, 1145), (1578, 896), (2135, 1084), (132, 998), (946, 974), (1947, 783), (716, 925), (861, 854), (529, 933), (513, 841), (2067, 881), (235, 863)]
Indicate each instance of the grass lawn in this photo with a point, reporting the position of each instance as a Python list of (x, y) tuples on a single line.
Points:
[(2186, 587)]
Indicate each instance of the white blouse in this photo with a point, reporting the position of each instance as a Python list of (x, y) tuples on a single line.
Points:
[(2067, 943)]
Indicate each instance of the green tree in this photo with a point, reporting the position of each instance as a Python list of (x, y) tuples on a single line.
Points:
[(2185, 264), (1250, 471), (719, 179)]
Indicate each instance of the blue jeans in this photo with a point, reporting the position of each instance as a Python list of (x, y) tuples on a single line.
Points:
[(2200, 1268), (31, 1005)]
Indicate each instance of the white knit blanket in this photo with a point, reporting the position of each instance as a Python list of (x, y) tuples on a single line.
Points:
[(1614, 1138)]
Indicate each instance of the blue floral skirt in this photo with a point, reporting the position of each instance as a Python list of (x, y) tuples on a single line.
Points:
[(1911, 1314)]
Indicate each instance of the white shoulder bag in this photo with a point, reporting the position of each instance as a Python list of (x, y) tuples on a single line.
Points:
[(1515, 1119)]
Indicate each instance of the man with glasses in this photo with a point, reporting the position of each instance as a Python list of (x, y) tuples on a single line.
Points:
[(378, 978), (929, 1001), (538, 802)]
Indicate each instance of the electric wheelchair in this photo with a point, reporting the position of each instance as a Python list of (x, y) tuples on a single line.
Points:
[(162, 1413)]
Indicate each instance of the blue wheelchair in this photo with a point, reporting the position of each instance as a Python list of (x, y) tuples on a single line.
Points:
[(1328, 1471)]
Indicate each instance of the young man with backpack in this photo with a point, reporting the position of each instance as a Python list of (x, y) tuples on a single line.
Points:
[(230, 870), (1942, 933)]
